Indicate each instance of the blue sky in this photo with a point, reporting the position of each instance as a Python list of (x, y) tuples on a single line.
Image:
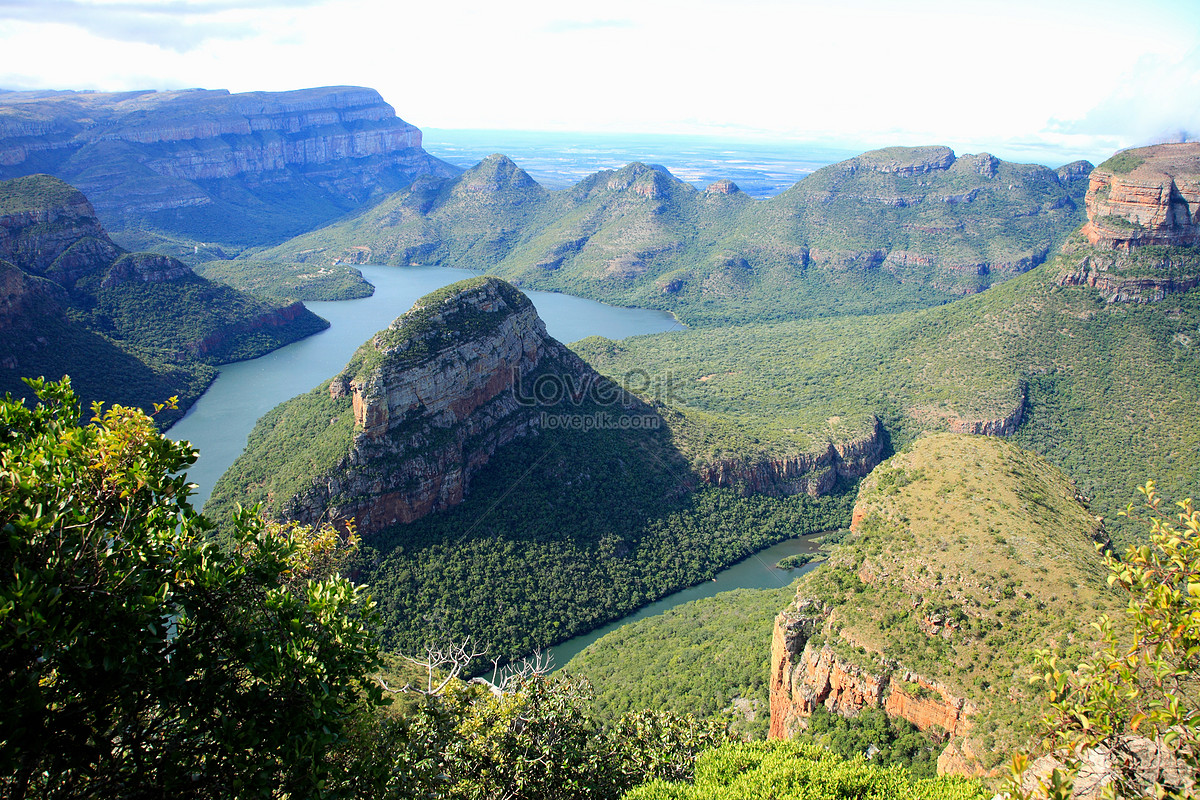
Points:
[(1012, 77)]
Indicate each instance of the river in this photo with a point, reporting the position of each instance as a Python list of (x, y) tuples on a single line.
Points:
[(758, 571)]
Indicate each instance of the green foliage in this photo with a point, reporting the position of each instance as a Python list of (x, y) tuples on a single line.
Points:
[(849, 239), (1123, 163), (1085, 373), (536, 739), (983, 556), (284, 283), (709, 657), (138, 657), (801, 771), (884, 740), (33, 193), (1143, 686)]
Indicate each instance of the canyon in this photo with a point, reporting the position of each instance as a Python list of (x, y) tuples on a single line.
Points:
[(169, 160)]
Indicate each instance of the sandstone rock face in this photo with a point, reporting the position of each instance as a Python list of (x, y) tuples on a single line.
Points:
[(1150, 195), (156, 146), (1000, 426), (812, 473), (907, 160), (805, 675), (723, 186), (434, 396), (1146, 196)]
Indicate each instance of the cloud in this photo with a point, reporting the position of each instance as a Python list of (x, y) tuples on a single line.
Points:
[(1155, 100), (573, 25), (176, 25)]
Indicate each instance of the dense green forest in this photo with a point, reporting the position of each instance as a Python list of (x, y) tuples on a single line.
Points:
[(281, 282), (1105, 389)]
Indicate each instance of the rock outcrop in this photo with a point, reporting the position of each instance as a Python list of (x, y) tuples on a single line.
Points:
[(138, 154), (805, 675), (1146, 196), (468, 370), (1139, 243), (813, 473), (927, 608)]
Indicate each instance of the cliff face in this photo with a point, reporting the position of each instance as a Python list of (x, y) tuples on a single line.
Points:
[(805, 675), (1138, 244), (806, 473), (927, 609), (144, 153), (433, 397), (1146, 196)]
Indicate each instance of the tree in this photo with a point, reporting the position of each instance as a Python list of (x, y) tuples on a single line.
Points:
[(1135, 705), (139, 657)]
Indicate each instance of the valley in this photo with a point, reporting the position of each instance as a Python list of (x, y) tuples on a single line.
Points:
[(957, 369)]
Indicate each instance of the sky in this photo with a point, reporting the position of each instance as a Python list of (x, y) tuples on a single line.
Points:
[(1065, 77)]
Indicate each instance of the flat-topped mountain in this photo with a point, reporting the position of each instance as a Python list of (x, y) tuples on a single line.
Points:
[(127, 327), (209, 166), (932, 607), (894, 229), (1146, 196), (1142, 237)]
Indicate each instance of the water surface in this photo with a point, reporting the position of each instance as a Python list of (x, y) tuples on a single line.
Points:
[(758, 571)]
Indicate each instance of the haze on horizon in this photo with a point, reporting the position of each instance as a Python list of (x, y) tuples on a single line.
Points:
[(1024, 79)]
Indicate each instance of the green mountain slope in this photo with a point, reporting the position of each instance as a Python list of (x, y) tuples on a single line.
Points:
[(485, 514), (890, 230), (967, 555), (1107, 391), (132, 328)]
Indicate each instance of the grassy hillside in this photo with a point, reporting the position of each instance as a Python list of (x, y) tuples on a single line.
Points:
[(1108, 391), (854, 238), (967, 555), (706, 657), (283, 283)]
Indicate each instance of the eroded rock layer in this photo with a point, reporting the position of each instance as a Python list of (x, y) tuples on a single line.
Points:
[(468, 370)]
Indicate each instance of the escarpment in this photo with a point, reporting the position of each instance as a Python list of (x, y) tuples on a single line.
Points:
[(174, 158), (929, 616), (1141, 240), (425, 404), (128, 327), (813, 473)]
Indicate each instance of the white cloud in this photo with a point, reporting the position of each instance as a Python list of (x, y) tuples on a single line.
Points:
[(1069, 74)]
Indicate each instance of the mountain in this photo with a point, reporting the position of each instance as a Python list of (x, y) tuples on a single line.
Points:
[(133, 328), (933, 607), (890, 230), (507, 491), (184, 170)]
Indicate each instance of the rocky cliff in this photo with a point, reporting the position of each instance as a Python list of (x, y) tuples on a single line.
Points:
[(74, 303), (813, 473), (180, 159), (1146, 196), (426, 403), (1139, 243), (948, 579)]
